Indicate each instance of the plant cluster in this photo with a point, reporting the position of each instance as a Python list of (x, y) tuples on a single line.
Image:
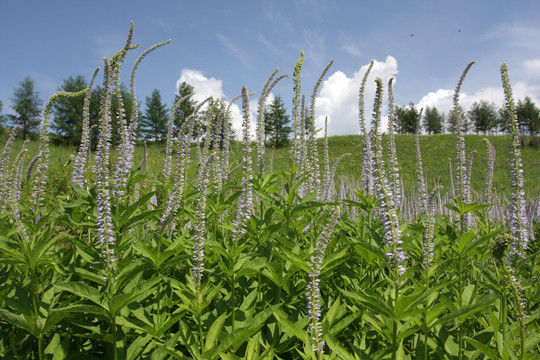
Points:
[(211, 258)]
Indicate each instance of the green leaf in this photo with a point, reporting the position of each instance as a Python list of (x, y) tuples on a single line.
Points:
[(532, 339), (293, 328), (240, 336), (336, 349), (331, 314), (467, 311), (28, 325), (400, 354), (84, 291), (137, 346), (334, 259), (484, 349), (296, 260), (142, 290), (370, 302), (59, 349), (478, 241), (89, 275), (465, 240), (213, 333)]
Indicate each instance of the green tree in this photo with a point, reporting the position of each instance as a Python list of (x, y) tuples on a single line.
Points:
[(528, 115), (27, 105), (433, 120), (95, 102), (2, 120), (186, 108), (68, 112), (452, 121), (276, 130), (406, 119), (483, 116), (153, 124), (208, 122)]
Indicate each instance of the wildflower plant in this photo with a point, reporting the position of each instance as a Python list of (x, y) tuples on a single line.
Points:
[(419, 169), (40, 181), (82, 159), (5, 183), (518, 216), (245, 202), (313, 286), (366, 175), (267, 89), (462, 182), (296, 112), (393, 165)]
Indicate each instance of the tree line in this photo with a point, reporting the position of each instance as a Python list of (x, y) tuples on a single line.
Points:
[(67, 114), (482, 118)]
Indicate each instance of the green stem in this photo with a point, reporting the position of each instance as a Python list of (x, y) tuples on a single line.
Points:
[(201, 338), (40, 347), (233, 307), (159, 303), (460, 291), (426, 332), (113, 333), (503, 317), (394, 322)]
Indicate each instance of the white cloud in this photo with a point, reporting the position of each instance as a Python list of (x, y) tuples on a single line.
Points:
[(532, 67), (338, 98), (442, 99), (205, 87), (515, 35)]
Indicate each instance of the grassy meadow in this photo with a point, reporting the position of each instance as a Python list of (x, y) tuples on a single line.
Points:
[(436, 150)]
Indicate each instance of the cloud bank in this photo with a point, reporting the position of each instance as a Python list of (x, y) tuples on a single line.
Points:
[(339, 94), (205, 87)]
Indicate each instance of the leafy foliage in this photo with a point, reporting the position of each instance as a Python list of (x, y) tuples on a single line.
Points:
[(67, 294)]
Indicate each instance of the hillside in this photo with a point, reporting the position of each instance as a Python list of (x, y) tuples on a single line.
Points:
[(436, 150)]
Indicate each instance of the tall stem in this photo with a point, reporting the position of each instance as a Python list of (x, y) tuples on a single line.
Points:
[(462, 219), (460, 290), (233, 307), (394, 322), (113, 333), (426, 332)]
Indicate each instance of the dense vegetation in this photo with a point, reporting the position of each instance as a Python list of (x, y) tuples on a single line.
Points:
[(227, 250)]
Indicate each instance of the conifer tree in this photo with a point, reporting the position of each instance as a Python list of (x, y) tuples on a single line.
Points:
[(276, 119), (68, 112), (153, 124), (186, 108), (27, 105)]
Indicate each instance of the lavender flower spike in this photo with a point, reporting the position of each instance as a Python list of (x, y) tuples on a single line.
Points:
[(199, 226), (4, 165), (43, 162), (84, 148), (245, 202), (313, 288), (518, 215)]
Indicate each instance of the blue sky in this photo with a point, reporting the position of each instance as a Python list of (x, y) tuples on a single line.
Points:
[(221, 45)]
